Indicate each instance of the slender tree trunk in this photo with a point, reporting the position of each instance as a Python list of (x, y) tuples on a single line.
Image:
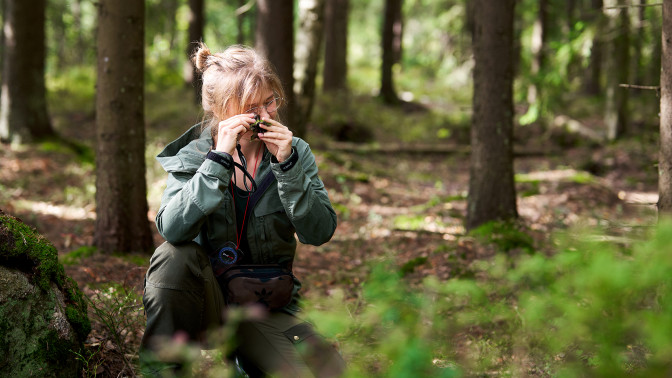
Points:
[(592, 83), (240, 22), (570, 8), (538, 45), (665, 154), (336, 45), (196, 25), (23, 112), (170, 7), (652, 71), (77, 25), (492, 193), (638, 21), (308, 52), (392, 26), (121, 192), (616, 107), (275, 39)]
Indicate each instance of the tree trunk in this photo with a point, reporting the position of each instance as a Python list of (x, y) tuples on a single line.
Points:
[(23, 113), (538, 45), (616, 107), (308, 51), (492, 193), (121, 193), (336, 46), (196, 25), (638, 20), (592, 83), (665, 154), (275, 39), (391, 32)]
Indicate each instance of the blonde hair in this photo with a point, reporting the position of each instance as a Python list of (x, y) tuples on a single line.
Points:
[(231, 79)]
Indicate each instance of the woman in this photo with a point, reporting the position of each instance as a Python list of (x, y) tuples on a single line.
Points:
[(238, 186)]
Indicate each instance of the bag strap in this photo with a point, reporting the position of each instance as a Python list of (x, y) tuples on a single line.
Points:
[(262, 186)]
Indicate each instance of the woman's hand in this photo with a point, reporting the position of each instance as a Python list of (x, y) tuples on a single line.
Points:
[(277, 138), (230, 130)]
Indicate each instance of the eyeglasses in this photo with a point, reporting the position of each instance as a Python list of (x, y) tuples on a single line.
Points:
[(271, 106)]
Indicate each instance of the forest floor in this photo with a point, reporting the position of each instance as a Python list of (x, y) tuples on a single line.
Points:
[(404, 205)]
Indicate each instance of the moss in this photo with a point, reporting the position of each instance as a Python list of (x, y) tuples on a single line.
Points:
[(22, 246)]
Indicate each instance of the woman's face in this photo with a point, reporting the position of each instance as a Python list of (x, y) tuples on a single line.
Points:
[(264, 104)]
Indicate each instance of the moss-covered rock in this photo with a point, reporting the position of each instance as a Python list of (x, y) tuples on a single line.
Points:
[(43, 315)]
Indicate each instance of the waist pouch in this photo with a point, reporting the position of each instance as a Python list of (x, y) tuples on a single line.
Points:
[(269, 285)]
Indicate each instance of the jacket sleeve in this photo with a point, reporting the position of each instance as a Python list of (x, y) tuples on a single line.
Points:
[(189, 197), (305, 198)]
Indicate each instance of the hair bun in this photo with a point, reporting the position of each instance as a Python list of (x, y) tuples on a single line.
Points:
[(200, 57)]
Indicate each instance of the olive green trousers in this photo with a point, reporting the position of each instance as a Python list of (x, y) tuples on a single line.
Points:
[(183, 301)]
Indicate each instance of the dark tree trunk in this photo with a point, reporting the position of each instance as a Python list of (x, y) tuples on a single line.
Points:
[(592, 83), (275, 39), (336, 46), (196, 25), (308, 52), (492, 193), (391, 45), (121, 192), (665, 154), (616, 107), (570, 7), (23, 113)]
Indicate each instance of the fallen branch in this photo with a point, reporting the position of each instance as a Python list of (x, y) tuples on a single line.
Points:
[(577, 127)]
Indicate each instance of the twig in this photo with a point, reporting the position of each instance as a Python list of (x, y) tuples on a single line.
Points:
[(649, 87), (245, 7)]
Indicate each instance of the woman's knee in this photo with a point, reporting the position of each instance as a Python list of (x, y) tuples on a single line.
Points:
[(178, 267)]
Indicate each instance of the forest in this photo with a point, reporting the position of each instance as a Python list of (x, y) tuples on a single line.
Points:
[(501, 172)]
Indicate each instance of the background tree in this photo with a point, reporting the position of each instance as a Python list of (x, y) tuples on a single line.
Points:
[(492, 193), (308, 52), (616, 107), (391, 46), (275, 39), (196, 26), (23, 114), (334, 74), (121, 202), (538, 44), (665, 154), (594, 16)]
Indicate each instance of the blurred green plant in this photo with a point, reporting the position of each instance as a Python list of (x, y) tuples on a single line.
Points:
[(505, 235)]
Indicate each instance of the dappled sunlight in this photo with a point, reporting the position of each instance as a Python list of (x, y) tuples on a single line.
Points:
[(60, 211)]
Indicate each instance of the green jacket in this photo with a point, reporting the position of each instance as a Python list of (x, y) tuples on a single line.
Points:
[(197, 203)]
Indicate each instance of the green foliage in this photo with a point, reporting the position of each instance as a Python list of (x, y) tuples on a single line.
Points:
[(506, 236), (410, 265), (91, 361), (74, 257), (589, 310), (396, 330)]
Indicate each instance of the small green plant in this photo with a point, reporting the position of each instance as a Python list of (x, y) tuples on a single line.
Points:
[(74, 257), (91, 361), (119, 310), (505, 236)]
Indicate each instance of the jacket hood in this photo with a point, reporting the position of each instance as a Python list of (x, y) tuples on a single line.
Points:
[(186, 153)]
